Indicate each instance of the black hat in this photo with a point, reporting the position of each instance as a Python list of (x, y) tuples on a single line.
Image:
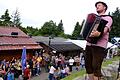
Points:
[(101, 3)]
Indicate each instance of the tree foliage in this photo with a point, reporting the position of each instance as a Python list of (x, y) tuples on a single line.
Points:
[(5, 19), (77, 30), (16, 19), (49, 28), (32, 31), (115, 32), (60, 28)]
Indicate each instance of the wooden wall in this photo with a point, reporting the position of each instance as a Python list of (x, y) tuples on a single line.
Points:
[(9, 54)]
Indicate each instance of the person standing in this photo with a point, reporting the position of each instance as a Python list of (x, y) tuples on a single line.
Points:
[(27, 73), (10, 75), (71, 61), (95, 53), (51, 72)]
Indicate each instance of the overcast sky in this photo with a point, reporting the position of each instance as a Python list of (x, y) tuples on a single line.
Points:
[(36, 12)]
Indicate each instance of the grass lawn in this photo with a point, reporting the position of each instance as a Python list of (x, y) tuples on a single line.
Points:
[(82, 72)]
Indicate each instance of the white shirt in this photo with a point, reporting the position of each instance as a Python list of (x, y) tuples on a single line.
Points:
[(52, 70), (1, 78), (63, 71), (71, 61)]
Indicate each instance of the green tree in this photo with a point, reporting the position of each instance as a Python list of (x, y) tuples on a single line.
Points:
[(5, 19), (60, 28), (32, 31), (24, 29), (76, 32), (16, 19), (115, 32), (49, 28)]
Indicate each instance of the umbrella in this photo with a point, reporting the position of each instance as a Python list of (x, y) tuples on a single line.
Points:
[(23, 58)]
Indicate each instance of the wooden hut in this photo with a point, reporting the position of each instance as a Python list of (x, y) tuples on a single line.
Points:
[(12, 41)]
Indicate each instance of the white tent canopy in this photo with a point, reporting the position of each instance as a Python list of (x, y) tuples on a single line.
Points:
[(82, 43), (117, 39)]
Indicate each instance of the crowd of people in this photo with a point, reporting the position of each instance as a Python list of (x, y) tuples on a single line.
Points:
[(58, 67), (9, 70), (62, 66)]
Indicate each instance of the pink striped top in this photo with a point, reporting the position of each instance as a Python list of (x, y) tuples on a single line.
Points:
[(102, 42)]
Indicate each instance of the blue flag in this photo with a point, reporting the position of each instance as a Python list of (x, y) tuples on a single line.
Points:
[(23, 58)]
